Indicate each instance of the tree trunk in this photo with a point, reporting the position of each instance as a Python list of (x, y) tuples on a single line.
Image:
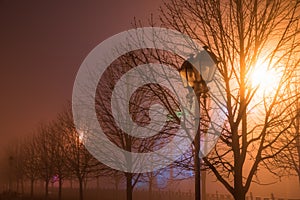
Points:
[(128, 186), (22, 186), (46, 189), (59, 188), (71, 183), (85, 183), (18, 185), (80, 188), (117, 188), (98, 183), (239, 193), (239, 196), (150, 187), (31, 187)]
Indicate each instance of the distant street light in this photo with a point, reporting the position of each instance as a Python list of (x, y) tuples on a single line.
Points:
[(196, 72)]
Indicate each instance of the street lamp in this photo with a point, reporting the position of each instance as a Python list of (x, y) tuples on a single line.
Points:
[(196, 72), (198, 69)]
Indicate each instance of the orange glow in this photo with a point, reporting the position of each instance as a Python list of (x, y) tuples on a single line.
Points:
[(264, 77), (80, 136)]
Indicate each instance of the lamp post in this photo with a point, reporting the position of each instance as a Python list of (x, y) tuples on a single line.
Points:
[(196, 72)]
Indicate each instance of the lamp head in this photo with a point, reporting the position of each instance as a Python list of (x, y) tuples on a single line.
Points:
[(199, 68)]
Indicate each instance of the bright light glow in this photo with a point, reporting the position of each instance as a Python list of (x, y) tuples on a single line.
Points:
[(267, 79), (80, 136)]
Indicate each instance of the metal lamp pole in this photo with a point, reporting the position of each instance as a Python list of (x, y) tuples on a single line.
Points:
[(196, 72)]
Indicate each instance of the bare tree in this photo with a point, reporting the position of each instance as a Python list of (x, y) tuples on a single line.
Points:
[(45, 154), (16, 171), (59, 160), (31, 162), (295, 151), (78, 160), (287, 163), (139, 107), (245, 35)]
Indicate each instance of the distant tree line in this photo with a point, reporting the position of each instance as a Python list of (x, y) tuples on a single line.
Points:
[(54, 152)]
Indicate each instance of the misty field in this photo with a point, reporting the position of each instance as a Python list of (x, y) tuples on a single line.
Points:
[(109, 194)]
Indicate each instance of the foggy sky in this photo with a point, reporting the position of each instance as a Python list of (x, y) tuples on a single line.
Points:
[(42, 44)]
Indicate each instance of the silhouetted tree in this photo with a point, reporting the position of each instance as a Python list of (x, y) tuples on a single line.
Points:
[(31, 162), (79, 161), (139, 107), (61, 171), (288, 161), (45, 147), (244, 34), (17, 160)]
